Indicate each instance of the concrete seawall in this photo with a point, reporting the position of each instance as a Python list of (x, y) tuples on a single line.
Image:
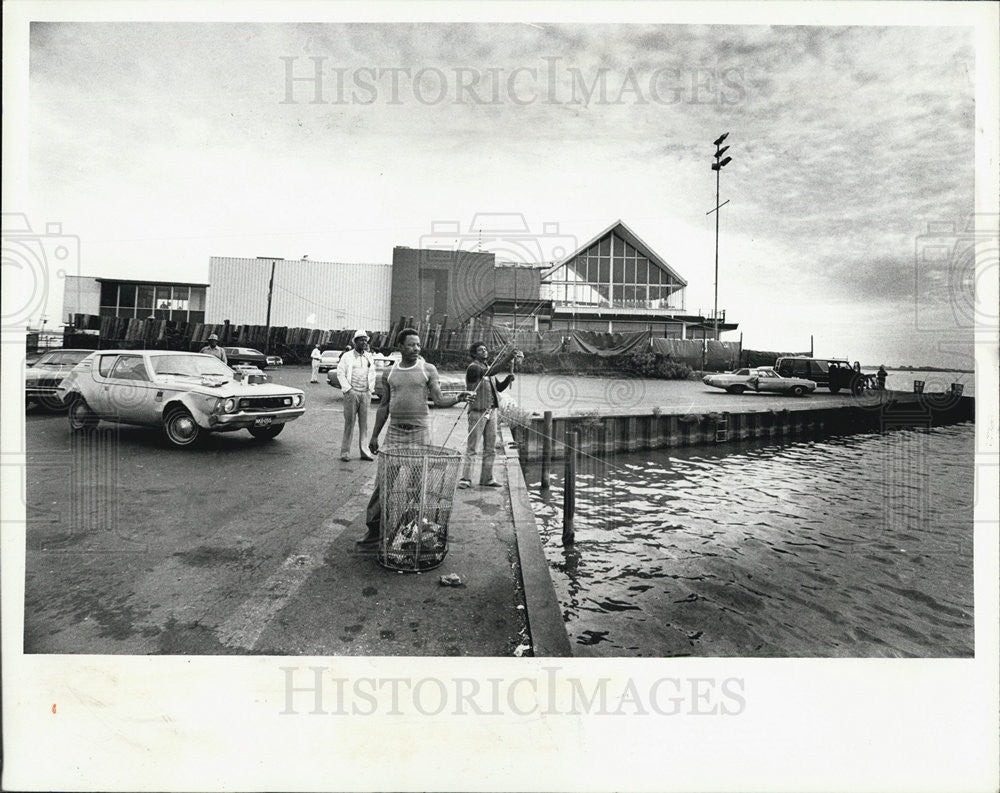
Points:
[(639, 429)]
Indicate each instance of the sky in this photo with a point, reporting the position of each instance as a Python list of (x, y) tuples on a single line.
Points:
[(159, 145)]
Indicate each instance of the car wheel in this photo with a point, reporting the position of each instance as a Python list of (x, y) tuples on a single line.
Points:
[(266, 433), (736, 389), (857, 386), (180, 427), (53, 404), (81, 417), (799, 390)]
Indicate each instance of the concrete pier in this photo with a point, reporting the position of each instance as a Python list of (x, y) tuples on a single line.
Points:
[(641, 428)]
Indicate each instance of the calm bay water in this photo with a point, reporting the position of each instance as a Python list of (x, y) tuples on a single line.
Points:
[(855, 546)]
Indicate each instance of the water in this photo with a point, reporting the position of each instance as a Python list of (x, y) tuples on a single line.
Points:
[(855, 546)]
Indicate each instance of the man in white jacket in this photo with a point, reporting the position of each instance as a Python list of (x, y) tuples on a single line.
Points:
[(356, 374)]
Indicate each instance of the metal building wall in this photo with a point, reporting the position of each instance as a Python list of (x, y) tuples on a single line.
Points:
[(81, 295), (307, 294)]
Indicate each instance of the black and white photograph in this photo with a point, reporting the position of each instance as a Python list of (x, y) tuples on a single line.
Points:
[(480, 396)]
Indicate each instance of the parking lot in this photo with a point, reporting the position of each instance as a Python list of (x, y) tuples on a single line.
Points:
[(241, 546)]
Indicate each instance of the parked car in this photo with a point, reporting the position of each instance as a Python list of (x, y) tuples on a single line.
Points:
[(768, 380), (733, 382), (275, 360), (382, 364), (187, 394), (246, 355), (44, 375), (329, 359), (832, 373)]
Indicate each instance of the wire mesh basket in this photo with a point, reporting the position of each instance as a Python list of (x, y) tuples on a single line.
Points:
[(417, 487)]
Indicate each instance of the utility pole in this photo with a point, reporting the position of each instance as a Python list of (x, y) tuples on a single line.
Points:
[(515, 304), (270, 292), (717, 166)]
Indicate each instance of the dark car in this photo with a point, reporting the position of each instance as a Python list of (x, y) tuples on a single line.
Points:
[(42, 378), (246, 355), (832, 373)]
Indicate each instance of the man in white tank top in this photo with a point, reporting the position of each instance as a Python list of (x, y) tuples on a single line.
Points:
[(404, 406)]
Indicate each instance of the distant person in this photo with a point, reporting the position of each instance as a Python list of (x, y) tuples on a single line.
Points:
[(479, 379), (356, 373), (404, 406), (213, 348), (315, 356), (880, 375)]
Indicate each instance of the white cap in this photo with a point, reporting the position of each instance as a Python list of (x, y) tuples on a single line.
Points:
[(360, 334)]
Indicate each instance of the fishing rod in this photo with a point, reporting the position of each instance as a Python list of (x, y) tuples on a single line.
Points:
[(501, 353)]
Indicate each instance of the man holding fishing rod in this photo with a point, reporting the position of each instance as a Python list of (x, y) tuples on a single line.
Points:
[(479, 379), (404, 406)]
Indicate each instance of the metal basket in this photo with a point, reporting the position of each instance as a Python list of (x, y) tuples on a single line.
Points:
[(417, 488)]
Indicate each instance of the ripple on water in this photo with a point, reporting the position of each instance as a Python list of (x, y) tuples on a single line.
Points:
[(853, 546)]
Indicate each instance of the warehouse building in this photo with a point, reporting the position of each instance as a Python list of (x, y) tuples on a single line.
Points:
[(303, 293), (613, 282)]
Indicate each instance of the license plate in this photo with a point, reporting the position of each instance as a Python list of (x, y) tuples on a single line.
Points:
[(262, 422)]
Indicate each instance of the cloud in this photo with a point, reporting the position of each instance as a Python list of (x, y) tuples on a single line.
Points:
[(846, 142)]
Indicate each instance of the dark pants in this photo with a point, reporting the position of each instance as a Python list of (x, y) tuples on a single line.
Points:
[(397, 435)]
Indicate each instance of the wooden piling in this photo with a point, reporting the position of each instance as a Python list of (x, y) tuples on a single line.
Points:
[(569, 487), (546, 448)]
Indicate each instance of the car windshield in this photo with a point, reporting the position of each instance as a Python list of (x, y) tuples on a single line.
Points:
[(62, 358), (192, 365)]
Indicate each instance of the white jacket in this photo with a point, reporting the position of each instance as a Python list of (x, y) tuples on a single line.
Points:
[(345, 368)]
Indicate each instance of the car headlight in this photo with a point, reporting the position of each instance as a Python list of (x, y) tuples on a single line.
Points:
[(299, 400), (229, 405)]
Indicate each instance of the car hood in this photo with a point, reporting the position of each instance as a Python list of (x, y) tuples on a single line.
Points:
[(46, 373), (222, 387)]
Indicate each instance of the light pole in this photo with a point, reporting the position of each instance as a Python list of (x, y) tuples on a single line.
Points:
[(717, 166)]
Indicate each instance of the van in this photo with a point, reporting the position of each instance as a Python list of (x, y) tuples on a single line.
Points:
[(832, 373)]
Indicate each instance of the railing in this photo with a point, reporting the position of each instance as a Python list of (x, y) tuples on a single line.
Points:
[(660, 305)]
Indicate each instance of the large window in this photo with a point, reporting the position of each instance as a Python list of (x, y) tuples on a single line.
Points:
[(181, 303), (613, 273)]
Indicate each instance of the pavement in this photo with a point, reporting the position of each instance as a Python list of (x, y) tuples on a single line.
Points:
[(565, 395), (238, 546)]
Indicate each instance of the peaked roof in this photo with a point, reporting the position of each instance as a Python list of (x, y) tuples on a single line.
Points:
[(632, 239)]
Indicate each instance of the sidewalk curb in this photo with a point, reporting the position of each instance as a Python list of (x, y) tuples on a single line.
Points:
[(545, 622)]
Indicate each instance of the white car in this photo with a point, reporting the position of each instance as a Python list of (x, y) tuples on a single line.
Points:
[(187, 394), (762, 379), (329, 359), (733, 382)]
